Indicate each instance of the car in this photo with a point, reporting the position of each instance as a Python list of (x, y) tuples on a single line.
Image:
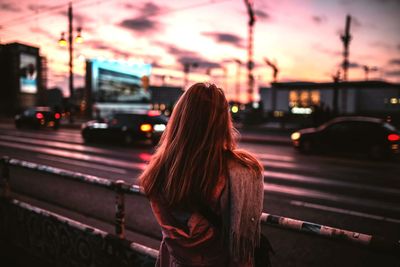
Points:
[(127, 127), (372, 136), (38, 117)]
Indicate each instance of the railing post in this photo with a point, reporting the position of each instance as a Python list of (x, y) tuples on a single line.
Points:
[(5, 175), (119, 209)]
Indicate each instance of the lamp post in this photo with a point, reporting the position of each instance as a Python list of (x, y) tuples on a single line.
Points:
[(70, 43)]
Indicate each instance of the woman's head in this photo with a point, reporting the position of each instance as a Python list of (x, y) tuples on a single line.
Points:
[(194, 149), (201, 120)]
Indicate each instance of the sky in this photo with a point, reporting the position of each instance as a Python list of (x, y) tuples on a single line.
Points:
[(301, 36)]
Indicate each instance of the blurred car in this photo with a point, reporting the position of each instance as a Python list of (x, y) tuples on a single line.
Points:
[(371, 136), (126, 127), (37, 117)]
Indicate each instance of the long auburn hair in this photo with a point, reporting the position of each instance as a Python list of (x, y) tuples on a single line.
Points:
[(194, 149)]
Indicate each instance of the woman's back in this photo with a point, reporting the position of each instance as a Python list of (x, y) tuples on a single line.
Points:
[(195, 182)]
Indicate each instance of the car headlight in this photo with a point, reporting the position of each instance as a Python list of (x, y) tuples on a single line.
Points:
[(159, 127), (295, 136)]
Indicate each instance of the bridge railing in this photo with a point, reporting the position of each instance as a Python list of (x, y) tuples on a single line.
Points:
[(117, 193)]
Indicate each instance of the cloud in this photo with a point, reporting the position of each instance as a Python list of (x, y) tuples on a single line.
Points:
[(354, 65), (100, 45), (79, 19), (226, 38), (381, 44), (147, 9), (398, 47), (9, 7), (142, 25), (261, 15), (319, 19), (394, 61), (183, 56), (43, 32), (393, 73), (146, 20), (324, 50), (37, 7), (356, 22)]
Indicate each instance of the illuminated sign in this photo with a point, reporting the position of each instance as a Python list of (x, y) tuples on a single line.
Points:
[(300, 110), (28, 74), (119, 82)]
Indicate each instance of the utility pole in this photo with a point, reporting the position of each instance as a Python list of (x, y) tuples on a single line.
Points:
[(71, 62), (250, 62), (346, 38), (70, 43)]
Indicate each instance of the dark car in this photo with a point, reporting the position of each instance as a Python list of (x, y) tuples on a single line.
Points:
[(371, 136), (126, 127), (37, 117)]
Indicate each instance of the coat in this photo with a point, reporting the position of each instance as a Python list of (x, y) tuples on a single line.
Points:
[(189, 239)]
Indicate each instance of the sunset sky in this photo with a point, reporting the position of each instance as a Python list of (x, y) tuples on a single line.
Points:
[(302, 36)]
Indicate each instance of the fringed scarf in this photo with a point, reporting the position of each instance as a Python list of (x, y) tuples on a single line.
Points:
[(245, 198)]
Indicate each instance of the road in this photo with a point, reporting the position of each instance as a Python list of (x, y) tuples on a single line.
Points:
[(349, 193)]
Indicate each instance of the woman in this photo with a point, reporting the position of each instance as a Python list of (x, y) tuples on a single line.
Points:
[(206, 194)]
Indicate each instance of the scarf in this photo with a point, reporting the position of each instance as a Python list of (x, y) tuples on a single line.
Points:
[(245, 196)]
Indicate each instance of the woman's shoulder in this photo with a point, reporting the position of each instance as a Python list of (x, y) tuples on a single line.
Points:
[(242, 162)]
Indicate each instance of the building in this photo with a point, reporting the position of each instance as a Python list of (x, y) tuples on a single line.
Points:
[(372, 98), (20, 77)]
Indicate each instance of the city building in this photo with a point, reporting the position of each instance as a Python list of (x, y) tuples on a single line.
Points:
[(21, 78), (372, 98)]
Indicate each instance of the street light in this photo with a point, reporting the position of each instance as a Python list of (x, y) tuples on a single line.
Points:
[(70, 43), (62, 41)]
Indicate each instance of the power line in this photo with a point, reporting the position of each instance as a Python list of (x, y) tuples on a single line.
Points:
[(86, 3), (39, 14)]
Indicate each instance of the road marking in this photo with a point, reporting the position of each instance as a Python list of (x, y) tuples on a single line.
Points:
[(337, 198), (343, 211), (66, 146), (84, 164), (275, 157), (79, 156), (328, 182)]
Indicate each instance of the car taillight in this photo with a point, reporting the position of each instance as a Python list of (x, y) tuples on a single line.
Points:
[(57, 116), (146, 127), (393, 137), (39, 116), (153, 113)]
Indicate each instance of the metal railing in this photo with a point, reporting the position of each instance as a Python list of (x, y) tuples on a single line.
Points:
[(121, 188)]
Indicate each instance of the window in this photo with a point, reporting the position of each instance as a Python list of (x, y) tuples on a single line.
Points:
[(304, 98)]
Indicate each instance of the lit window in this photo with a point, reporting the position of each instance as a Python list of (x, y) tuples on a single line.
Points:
[(293, 98), (315, 97), (304, 98)]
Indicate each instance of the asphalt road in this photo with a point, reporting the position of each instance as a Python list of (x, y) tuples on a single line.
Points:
[(344, 192)]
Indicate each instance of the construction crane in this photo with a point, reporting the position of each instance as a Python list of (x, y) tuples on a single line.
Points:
[(367, 69), (274, 67), (346, 38), (250, 62)]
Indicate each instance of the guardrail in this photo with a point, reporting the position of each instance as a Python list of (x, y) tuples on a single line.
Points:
[(121, 189)]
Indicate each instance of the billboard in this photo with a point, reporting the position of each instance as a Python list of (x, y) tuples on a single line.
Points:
[(28, 73), (118, 82)]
